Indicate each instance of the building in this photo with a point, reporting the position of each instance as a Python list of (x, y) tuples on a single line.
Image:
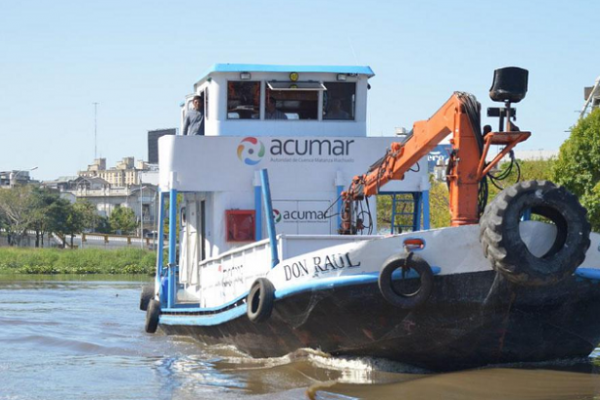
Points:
[(142, 199), (127, 185), (125, 173), (61, 183), (9, 179)]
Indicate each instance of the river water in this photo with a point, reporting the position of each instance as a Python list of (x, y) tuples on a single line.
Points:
[(70, 338)]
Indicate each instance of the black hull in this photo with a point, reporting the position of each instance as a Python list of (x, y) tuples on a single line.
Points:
[(470, 320)]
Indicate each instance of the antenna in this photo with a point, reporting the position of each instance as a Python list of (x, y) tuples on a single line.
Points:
[(95, 131)]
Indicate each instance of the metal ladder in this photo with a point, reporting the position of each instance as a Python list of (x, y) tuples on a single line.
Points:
[(406, 211)]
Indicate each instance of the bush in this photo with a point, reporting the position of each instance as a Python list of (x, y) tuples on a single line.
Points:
[(577, 165), (84, 261)]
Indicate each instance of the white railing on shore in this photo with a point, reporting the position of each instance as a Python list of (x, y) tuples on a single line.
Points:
[(88, 240)]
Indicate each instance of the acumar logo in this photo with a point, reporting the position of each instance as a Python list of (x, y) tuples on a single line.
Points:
[(276, 215), (299, 216), (251, 150)]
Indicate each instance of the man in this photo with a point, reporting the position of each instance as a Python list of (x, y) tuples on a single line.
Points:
[(336, 111), (194, 118), (272, 112)]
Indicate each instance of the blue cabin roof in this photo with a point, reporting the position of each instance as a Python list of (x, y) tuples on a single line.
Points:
[(335, 69)]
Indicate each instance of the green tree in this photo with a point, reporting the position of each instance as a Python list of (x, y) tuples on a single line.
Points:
[(58, 215), (178, 222), (528, 170), (122, 220), (578, 165), (39, 202), (102, 225), (75, 221), (88, 213), (439, 205), (15, 209)]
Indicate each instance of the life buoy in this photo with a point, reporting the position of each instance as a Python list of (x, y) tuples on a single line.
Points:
[(505, 249), (419, 290), (145, 296), (152, 315), (260, 300)]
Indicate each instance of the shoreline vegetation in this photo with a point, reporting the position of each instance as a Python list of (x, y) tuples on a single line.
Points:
[(80, 262)]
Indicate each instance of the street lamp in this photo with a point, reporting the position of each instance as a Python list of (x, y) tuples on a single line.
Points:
[(141, 212), (14, 175)]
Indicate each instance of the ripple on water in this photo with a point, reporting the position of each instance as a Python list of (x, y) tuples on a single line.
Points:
[(85, 340)]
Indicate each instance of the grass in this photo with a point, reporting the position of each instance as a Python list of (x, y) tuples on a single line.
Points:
[(84, 261)]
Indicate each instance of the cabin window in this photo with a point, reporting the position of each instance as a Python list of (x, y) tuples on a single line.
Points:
[(243, 100), (292, 104), (339, 101)]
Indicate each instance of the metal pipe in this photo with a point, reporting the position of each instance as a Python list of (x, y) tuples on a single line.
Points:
[(172, 246), (266, 190), (417, 198), (257, 208), (160, 244), (141, 214), (425, 204), (339, 182)]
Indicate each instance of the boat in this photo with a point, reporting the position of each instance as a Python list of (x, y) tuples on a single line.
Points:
[(273, 245)]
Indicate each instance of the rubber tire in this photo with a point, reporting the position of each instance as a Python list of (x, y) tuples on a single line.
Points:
[(152, 315), (506, 251), (385, 282), (260, 300), (145, 297)]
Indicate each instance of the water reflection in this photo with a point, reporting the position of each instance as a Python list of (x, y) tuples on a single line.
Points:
[(84, 339)]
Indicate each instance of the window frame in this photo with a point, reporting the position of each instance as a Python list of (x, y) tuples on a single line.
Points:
[(352, 111), (260, 97)]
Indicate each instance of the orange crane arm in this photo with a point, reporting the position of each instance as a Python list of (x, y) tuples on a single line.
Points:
[(469, 149)]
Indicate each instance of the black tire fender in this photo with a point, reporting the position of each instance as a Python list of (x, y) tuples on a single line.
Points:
[(406, 262), (145, 297), (152, 316), (505, 249), (260, 300)]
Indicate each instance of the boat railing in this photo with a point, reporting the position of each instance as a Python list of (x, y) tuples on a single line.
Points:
[(221, 279)]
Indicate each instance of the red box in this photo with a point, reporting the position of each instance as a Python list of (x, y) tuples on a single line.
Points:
[(241, 225)]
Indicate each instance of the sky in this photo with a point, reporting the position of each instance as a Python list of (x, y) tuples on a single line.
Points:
[(138, 60)]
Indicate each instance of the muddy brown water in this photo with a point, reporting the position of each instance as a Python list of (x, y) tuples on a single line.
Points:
[(76, 338)]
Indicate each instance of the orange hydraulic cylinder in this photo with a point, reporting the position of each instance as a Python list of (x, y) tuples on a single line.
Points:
[(464, 180)]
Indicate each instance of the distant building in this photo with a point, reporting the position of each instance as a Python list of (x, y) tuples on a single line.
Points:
[(438, 156), (153, 137), (125, 173), (129, 184), (141, 199), (9, 179), (592, 94), (61, 184)]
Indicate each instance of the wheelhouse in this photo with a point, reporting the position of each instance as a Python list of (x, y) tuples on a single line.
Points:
[(309, 100)]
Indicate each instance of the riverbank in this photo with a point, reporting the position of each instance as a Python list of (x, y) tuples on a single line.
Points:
[(83, 261)]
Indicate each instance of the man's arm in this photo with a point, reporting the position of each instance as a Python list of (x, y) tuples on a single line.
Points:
[(186, 125)]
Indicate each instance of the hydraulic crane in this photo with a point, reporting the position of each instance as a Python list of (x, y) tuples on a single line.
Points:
[(460, 117)]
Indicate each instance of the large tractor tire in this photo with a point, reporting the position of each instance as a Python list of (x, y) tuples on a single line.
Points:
[(505, 249)]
